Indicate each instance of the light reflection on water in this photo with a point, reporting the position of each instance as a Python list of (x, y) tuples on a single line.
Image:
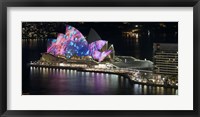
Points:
[(52, 81)]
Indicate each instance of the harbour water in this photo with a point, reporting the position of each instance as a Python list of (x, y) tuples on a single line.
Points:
[(52, 81)]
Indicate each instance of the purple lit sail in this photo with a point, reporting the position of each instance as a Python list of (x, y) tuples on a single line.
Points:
[(69, 44), (104, 54), (100, 44), (96, 55), (74, 43)]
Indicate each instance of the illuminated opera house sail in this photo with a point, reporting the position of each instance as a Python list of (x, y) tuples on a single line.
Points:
[(74, 44)]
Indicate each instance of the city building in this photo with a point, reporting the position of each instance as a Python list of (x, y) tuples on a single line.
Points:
[(165, 59)]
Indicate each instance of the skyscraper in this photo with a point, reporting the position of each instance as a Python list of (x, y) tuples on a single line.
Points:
[(165, 58)]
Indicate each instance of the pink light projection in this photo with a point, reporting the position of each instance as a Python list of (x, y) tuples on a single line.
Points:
[(104, 54), (74, 43), (96, 55), (100, 44)]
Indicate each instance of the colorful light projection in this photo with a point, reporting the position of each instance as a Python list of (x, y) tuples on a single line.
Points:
[(95, 48), (74, 43)]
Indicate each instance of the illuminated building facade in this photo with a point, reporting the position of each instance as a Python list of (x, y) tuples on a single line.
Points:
[(165, 58), (73, 43)]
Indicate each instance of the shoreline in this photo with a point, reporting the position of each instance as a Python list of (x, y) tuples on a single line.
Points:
[(125, 75)]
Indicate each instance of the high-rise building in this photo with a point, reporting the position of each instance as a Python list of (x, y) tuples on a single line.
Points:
[(165, 58)]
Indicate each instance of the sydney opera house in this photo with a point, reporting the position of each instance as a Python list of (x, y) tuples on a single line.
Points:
[(73, 48)]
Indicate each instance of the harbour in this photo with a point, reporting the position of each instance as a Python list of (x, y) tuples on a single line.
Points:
[(126, 73)]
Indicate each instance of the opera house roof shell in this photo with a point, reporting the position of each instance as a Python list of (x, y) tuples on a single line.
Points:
[(73, 43)]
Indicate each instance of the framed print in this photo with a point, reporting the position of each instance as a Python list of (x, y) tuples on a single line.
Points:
[(101, 58)]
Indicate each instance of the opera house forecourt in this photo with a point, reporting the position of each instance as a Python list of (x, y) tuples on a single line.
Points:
[(92, 54)]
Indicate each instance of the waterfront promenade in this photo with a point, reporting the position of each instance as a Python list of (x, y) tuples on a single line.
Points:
[(144, 77)]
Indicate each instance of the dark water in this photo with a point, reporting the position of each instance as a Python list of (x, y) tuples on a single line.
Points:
[(41, 81), (71, 82)]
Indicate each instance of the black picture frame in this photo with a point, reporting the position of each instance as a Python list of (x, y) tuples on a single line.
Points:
[(98, 3)]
